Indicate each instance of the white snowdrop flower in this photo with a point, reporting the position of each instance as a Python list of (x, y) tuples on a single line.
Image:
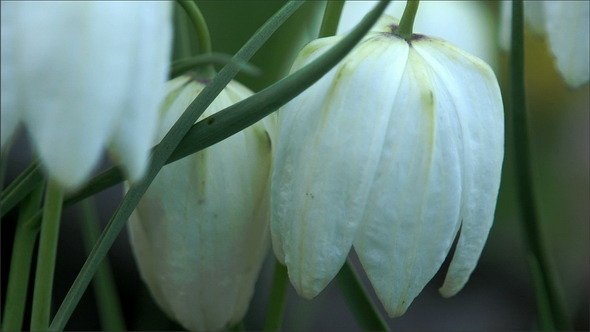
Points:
[(84, 75), (200, 233), (393, 151), (467, 24), (566, 25)]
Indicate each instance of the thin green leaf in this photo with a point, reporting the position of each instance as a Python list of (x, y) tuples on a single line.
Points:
[(331, 18), (105, 288), (28, 180), (181, 66), (25, 238), (44, 272)]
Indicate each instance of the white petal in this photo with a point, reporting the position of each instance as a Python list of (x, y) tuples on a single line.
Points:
[(75, 60), (413, 210), (200, 233), (567, 25), (9, 110), (329, 143), (132, 141), (480, 112)]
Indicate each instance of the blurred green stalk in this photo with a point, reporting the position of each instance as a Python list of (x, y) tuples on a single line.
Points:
[(276, 302), (552, 315), (20, 263), (105, 288), (331, 18), (359, 301), (46, 257)]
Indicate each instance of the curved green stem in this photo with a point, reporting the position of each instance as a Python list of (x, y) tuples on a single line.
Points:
[(549, 299), (20, 263), (196, 17), (184, 44), (183, 65), (331, 18), (276, 302), (406, 26), (46, 258)]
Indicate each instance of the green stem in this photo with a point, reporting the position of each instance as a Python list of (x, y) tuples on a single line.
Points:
[(4, 163), (46, 258), (105, 289), (331, 18), (182, 46), (276, 302), (20, 187), (183, 65), (406, 26), (20, 263), (546, 288), (359, 301), (196, 17)]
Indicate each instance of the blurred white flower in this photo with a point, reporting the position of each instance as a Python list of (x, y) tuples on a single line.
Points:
[(394, 150), (200, 233), (566, 25), (81, 75), (468, 24)]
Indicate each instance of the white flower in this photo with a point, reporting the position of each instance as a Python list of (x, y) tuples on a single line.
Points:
[(81, 75), (467, 24), (394, 150), (566, 24), (200, 233)]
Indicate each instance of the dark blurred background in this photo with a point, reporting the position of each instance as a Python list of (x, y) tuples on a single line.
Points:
[(499, 295)]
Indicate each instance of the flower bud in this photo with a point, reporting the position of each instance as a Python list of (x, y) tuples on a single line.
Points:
[(200, 232), (394, 150)]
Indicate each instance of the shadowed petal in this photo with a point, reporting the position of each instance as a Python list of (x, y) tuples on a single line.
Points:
[(74, 79), (413, 210), (480, 113), (329, 142), (200, 233), (132, 141)]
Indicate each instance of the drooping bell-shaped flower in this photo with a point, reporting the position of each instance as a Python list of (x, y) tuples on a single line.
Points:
[(200, 233), (566, 25), (393, 151), (84, 75)]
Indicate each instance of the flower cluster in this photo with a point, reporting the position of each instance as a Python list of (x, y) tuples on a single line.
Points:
[(395, 152)]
